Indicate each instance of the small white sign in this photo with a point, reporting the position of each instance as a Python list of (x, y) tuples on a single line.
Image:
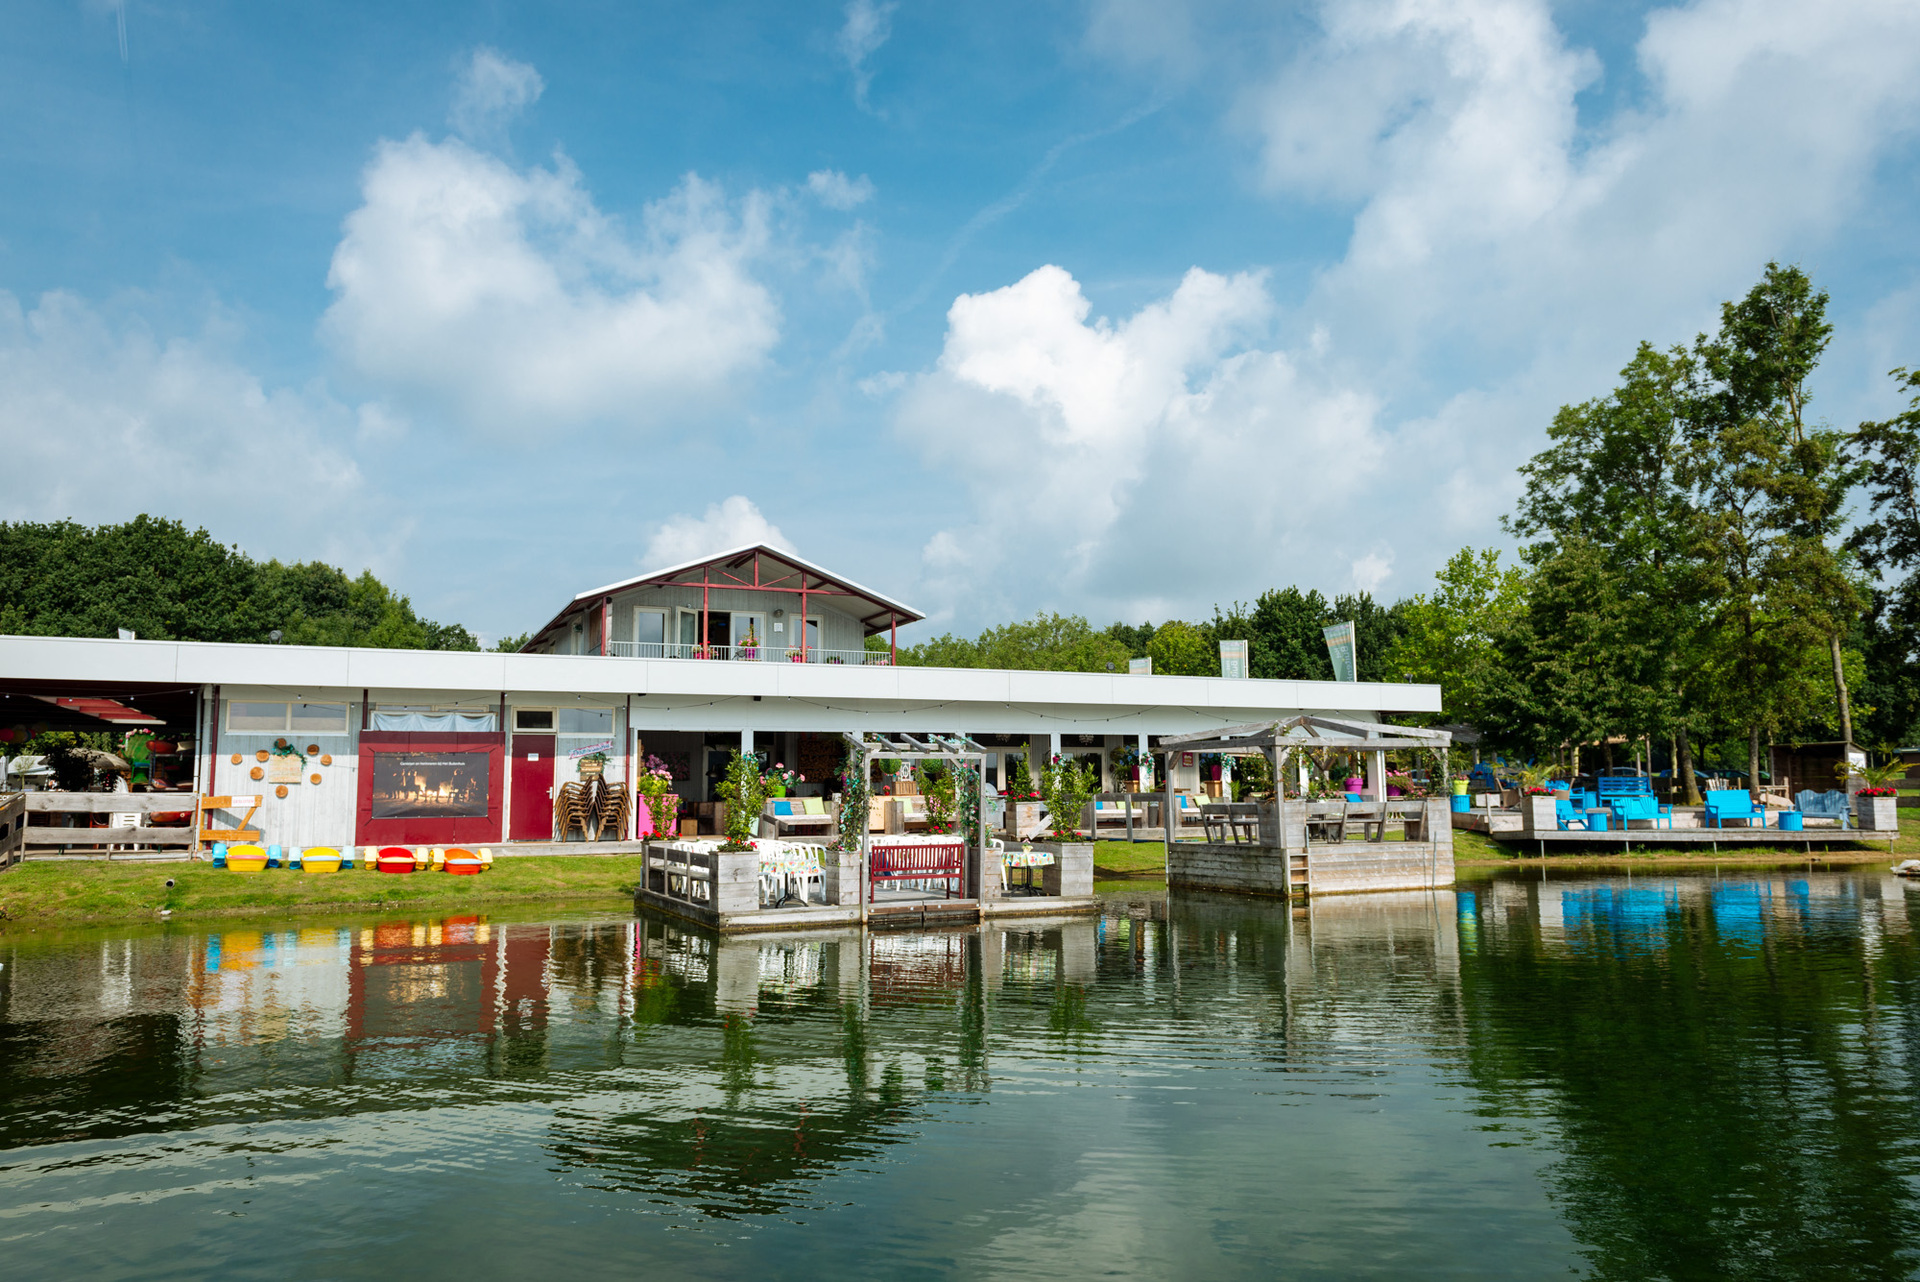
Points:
[(1140, 667), (245, 801), (533, 756)]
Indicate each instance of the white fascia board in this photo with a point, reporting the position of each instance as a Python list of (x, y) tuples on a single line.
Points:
[(397, 672), (89, 659), (772, 716)]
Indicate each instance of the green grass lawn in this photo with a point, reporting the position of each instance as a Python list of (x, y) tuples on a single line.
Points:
[(41, 892), (1113, 860)]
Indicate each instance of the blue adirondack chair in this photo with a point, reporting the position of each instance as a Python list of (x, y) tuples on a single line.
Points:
[(1826, 805), (1563, 810), (1725, 804), (1642, 806)]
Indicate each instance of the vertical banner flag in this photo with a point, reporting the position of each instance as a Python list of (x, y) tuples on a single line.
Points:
[(1233, 660), (1342, 649)]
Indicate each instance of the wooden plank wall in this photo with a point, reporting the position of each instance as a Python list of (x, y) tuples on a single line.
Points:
[(311, 814)]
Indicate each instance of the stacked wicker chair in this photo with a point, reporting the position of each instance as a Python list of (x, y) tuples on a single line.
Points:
[(594, 807)]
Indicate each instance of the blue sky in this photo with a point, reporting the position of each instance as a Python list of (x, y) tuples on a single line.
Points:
[(1123, 308)]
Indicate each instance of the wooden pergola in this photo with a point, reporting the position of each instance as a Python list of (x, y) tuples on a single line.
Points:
[(963, 752), (1279, 740)]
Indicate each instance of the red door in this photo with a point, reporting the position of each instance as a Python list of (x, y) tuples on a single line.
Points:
[(532, 768)]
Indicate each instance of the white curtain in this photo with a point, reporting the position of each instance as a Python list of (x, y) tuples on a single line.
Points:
[(436, 722)]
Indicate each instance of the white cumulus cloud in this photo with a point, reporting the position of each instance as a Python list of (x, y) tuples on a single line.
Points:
[(730, 523), (1103, 459), (508, 297), (102, 418)]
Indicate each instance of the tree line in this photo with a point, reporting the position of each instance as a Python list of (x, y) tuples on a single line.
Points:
[(165, 582), (1689, 572)]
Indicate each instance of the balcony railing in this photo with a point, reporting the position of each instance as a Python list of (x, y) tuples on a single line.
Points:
[(747, 653)]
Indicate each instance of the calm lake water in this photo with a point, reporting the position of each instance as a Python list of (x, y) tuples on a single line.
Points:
[(1682, 1078)]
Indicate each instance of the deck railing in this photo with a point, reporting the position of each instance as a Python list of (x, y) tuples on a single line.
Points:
[(747, 653)]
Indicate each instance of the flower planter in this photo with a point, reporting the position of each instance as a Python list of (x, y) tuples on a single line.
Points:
[(1537, 814), (1877, 814), (1071, 872)]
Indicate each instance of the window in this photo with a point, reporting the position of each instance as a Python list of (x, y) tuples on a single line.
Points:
[(593, 721), (320, 718), (257, 716), (649, 632), (536, 720), (246, 717)]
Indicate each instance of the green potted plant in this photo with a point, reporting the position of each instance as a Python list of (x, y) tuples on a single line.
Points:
[(745, 793), (1876, 803)]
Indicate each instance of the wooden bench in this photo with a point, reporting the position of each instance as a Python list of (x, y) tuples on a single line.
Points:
[(1234, 822), (810, 815)]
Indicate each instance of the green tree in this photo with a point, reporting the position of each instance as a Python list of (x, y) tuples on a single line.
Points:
[(1182, 650), (1044, 643), (1449, 636), (1377, 630), (1575, 664), (1282, 632), (1136, 637), (1772, 487), (150, 575), (1617, 476), (1888, 546), (167, 583)]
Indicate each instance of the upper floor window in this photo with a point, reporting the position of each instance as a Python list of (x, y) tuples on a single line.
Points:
[(250, 717)]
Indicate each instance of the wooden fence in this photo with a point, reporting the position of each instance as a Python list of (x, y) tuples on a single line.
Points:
[(13, 829), (140, 833)]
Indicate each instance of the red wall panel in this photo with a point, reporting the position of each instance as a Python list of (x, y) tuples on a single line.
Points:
[(431, 832)]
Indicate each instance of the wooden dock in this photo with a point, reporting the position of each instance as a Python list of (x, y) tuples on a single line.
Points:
[(1695, 839)]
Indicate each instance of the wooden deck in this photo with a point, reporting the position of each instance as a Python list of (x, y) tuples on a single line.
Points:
[(1694, 838)]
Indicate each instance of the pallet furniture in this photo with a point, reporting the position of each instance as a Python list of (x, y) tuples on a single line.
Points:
[(808, 815), (205, 834)]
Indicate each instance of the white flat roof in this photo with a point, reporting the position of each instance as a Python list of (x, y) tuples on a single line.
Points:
[(718, 694)]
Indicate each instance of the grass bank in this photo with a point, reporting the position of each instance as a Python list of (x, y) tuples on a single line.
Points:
[(46, 893)]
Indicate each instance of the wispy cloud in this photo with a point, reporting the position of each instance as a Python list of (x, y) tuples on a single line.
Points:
[(867, 27), (836, 191), (490, 92)]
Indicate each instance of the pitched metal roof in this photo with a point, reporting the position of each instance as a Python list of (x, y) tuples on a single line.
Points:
[(883, 611)]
